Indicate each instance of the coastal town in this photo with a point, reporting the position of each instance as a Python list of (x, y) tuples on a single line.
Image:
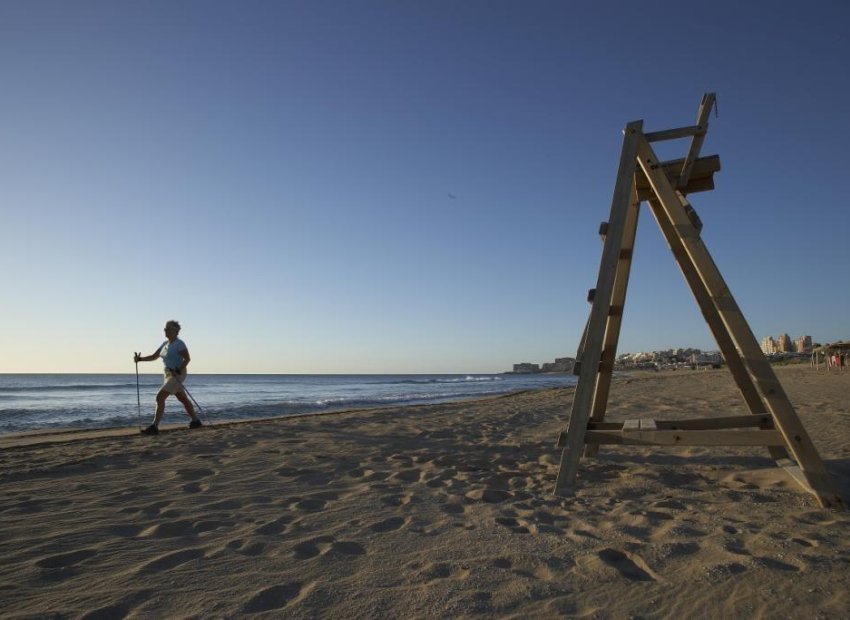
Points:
[(780, 348)]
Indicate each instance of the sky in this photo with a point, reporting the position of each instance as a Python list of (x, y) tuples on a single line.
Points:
[(410, 187)]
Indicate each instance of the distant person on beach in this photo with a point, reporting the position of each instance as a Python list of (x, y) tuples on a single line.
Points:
[(175, 357)]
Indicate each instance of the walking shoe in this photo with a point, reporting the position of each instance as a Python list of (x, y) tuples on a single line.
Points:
[(196, 423), (150, 430)]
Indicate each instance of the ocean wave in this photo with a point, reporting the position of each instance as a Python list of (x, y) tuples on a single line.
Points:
[(433, 380), (71, 387), (290, 407)]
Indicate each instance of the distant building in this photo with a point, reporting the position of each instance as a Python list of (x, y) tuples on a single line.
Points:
[(784, 344), (803, 344), (561, 364)]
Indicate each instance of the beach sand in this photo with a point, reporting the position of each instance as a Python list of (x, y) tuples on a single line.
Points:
[(429, 511)]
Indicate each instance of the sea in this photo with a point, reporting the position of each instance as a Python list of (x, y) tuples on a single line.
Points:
[(30, 402)]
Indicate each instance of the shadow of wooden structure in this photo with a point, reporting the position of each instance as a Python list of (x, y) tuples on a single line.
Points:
[(772, 422)]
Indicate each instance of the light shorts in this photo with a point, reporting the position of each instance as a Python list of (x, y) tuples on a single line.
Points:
[(171, 383)]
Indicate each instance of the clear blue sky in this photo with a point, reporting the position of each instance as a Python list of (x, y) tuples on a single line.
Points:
[(276, 176)]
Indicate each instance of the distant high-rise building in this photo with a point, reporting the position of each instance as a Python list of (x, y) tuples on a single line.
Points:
[(803, 344), (784, 344), (768, 345)]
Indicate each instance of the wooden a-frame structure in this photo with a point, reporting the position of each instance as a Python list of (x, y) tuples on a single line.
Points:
[(772, 421)]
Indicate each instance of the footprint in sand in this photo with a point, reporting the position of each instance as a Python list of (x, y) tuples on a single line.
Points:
[(388, 525), (489, 496), (311, 504), (630, 566), (226, 504), (171, 560), (516, 526), (64, 560), (274, 527), (124, 531), (151, 510), (806, 542), (453, 509), (122, 608), (397, 499), (290, 472), (254, 549), (442, 570), (209, 525), (169, 529), (736, 547), (406, 475), (194, 487), (194, 474), (776, 564), (275, 597), (326, 544)]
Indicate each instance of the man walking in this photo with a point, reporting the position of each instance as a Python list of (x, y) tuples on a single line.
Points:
[(175, 357)]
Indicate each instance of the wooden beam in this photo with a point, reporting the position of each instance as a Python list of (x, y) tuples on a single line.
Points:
[(695, 186), (592, 354), (615, 317), (696, 143), (701, 178), (687, 438), (674, 134), (764, 421)]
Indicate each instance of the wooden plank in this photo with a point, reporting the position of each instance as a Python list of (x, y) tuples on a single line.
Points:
[(648, 425), (674, 134), (796, 438), (615, 318), (632, 426), (702, 172), (696, 143), (764, 420), (694, 187), (688, 438), (592, 355)]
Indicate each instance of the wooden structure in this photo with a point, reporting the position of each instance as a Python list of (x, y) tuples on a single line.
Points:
[(772, 422), (824, 355)]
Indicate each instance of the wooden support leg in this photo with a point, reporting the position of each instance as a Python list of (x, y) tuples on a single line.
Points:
[(615, 320), (712, 318), (786, 420), (592, 354)]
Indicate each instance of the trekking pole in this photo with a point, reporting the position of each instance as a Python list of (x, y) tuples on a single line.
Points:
[(189, 394), (138, 396)]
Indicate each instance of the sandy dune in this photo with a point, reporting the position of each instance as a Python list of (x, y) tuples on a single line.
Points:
[(429, 511)]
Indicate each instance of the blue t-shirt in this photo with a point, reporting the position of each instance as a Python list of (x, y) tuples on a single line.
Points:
[(171, 353)]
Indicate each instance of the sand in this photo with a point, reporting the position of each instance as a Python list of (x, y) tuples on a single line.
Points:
[(428, 511)]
